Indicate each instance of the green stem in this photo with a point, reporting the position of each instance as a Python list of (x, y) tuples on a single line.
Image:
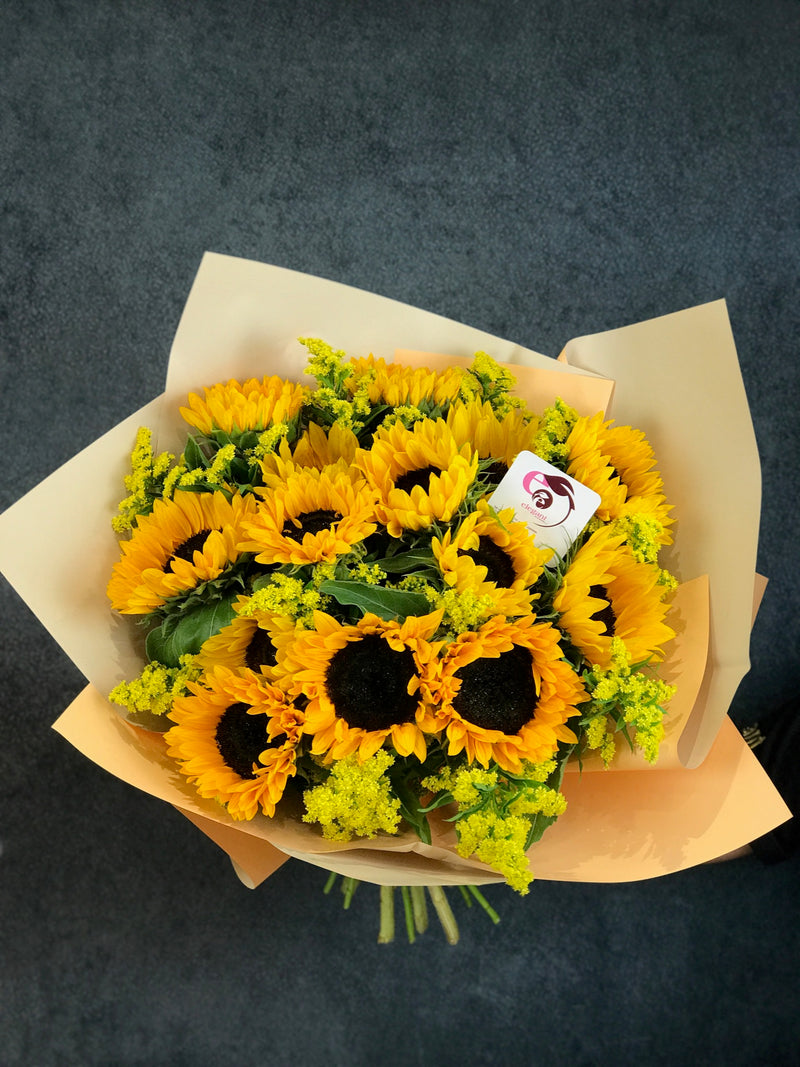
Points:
[(445, 913), (386, 931), (330, 883), (349, 886), (466, 896), (420, 906), (484, 903), (409, 913)]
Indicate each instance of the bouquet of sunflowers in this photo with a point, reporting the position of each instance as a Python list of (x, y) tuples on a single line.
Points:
[(335, 615), (383, 613)]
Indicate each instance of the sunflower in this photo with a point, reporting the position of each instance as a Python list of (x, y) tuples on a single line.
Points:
[(421, 474), (498, 439), (505, 693), (365, 683), (187, 540), (491, 554), (235, 739), (618, 463), (310, 517), (236, 407), (396, 385), (249, 642), (606, 593), (321, 447)]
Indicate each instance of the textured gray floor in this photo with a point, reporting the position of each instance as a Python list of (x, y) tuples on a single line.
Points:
[(540, 170)]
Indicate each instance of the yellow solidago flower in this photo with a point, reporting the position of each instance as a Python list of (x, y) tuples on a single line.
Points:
[(236, 407), (144, 483), (497, 813), (185, 541), (634, 699), (406, 413), (365, 683), (370, 573), (215, 476), (599, 735), (269, 440), (498, 841), (555, 426), (235, 739), (644, 533), (495, 383), (606, 593), (325, 363), (460, 611), (491, 554), (284, 595), (420, 475), (157, 687), (505, 693), (310, 517), (333, 408), (356, 800)]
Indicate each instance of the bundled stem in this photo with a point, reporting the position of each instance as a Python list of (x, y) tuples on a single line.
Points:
[(415, 907)]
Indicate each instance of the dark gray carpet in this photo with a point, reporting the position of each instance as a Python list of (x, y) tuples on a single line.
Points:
[(538, 169)]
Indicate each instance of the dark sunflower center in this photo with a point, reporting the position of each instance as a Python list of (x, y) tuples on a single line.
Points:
[(187, 548), (605, 615), (241, 738), (498, 693), (367, 683), (499, 568), (496, 472), (421, 477), (260, 652), (310, 522)]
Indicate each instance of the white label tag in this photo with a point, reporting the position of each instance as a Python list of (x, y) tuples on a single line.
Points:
[(554, 506)]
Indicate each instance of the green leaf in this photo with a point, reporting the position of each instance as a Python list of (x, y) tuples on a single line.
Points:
[(173, 639), (404, 562), (409, 807), (193, 455), (386, 603), (539, 823)]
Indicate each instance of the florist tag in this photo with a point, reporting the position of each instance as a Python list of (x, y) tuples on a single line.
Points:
[(554, 506)]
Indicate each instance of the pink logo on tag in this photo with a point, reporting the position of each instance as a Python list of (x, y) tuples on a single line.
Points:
[(553, 506), (552, 497)]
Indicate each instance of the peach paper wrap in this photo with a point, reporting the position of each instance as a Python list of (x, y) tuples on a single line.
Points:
[(675, 378)]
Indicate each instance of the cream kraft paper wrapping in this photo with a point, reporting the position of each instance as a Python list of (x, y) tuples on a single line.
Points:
[(677, 378)]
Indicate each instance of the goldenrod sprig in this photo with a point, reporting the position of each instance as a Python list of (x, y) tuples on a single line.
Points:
[(356, 800), (145, 483), (623, 699), (498, 813)]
